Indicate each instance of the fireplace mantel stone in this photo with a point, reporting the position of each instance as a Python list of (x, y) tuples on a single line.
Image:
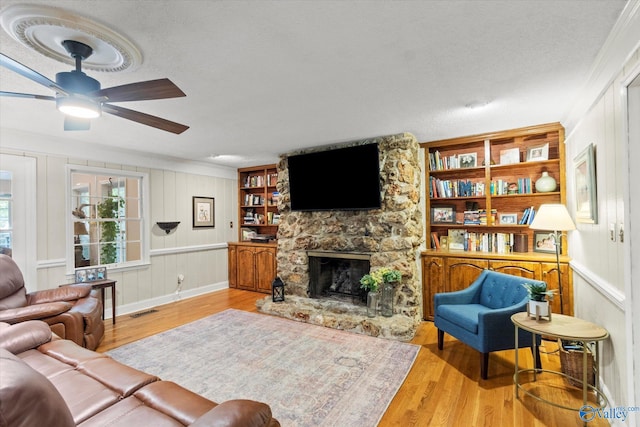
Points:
[(390, 236)]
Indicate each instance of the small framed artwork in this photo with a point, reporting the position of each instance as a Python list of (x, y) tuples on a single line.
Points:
[(510, 156), (444, 243), (468, 160), (543, 241), (443, 214), (91, 274), (584, 167), (101, 273), (203, 212), (456, 239), (508, 218), (538, 153)]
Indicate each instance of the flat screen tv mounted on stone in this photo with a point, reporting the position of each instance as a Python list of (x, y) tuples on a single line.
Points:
[(340, 179)]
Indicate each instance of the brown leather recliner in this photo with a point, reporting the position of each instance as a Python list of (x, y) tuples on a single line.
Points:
[(73, 312)]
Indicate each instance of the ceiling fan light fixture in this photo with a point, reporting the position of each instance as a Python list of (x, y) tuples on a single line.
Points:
[(78, 107)]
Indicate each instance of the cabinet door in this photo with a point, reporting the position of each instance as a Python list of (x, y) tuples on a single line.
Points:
[(529, 270), (246, 269), (265, 259), (233, 266), (550, 276), (432, 283), (461, 272)]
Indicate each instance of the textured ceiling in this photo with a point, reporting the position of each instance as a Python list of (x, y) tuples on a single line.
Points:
[(267, 77)]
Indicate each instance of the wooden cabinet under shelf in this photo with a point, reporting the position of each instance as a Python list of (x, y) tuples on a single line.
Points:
[(252, 266), (258, 201), (447, 271)]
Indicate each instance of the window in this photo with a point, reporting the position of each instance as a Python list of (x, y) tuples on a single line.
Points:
[(6, 209), (108, 224)]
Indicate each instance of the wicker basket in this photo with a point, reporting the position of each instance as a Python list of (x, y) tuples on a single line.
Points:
[(571, 364)]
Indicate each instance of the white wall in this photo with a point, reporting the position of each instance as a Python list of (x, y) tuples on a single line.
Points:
[(199, 254), (599, 264)]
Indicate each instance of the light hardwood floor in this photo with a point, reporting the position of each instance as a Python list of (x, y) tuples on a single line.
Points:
[(443, 388)]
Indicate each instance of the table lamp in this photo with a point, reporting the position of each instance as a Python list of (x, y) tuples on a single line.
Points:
[(554, 217)]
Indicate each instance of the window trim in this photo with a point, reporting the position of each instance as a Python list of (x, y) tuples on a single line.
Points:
[(145, 237)]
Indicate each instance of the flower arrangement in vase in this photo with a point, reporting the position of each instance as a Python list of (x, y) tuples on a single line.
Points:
[(539, 297), (372, 282)]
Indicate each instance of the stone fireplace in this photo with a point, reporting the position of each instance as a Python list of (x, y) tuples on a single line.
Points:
[(386, 237)]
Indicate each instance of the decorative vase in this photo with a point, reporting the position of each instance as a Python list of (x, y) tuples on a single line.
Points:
[(372, 303), (546, 183), (386, 300)]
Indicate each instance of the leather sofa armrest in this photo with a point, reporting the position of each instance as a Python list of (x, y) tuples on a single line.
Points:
[(63, 293), (34, 312), (238, 413), (24, 336)]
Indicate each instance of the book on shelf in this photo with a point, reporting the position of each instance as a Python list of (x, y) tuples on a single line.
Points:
[(435, 240), (471, 218), (460, 239), (272, 179), (527, 216), (455, 188), (254, 181)]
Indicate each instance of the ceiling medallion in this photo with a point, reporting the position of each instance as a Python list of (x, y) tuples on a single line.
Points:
[(44, 28)]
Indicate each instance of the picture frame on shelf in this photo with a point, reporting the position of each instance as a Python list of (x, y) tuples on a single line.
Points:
[(468, 160), (584, 170), (443, 214), (544, 242), (444, 243), (90, 274), (456, 239), (510, 156), (538, 153), (508, 218), (203, 212)]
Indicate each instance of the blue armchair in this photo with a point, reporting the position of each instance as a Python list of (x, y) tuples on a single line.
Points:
[(480, 315)]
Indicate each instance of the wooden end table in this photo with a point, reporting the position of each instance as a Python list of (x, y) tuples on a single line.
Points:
[(102, 284), (565, 328)]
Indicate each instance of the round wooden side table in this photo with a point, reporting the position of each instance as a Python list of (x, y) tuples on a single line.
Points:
[(568, 328)]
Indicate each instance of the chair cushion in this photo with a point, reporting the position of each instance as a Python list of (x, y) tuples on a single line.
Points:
[(463, 315), (502, 290)]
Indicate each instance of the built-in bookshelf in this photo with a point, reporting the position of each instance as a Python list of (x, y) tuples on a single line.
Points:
[(258, 202), (481, 189)]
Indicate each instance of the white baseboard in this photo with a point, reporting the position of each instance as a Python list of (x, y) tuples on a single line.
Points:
[(165, 299)]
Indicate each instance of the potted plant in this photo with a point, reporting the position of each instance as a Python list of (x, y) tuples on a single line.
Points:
[(384, 277), (539, 297), (370, 284)]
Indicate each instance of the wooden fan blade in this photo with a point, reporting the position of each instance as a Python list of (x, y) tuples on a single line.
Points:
[(76, 123), (27, 72), (28, 95), (141, 91), (145, 119)]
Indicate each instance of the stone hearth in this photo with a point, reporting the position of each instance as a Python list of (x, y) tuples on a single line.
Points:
[(390, 236)]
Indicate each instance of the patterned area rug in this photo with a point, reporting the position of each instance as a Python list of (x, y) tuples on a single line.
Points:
[(309, 375)]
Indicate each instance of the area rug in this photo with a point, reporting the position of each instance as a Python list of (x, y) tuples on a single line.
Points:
[(309, 375)]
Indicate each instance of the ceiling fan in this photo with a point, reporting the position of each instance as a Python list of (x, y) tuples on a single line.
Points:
[(80, 98)]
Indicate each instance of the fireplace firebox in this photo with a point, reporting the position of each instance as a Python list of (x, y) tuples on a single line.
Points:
[(336, 275)]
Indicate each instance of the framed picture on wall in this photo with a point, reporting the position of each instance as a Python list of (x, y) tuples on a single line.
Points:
[(203, 212), (584, 169)]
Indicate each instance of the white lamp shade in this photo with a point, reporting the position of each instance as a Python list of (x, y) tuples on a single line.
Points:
[(552, 217)]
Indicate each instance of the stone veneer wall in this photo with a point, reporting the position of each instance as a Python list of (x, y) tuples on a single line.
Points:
[(391, 235)]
